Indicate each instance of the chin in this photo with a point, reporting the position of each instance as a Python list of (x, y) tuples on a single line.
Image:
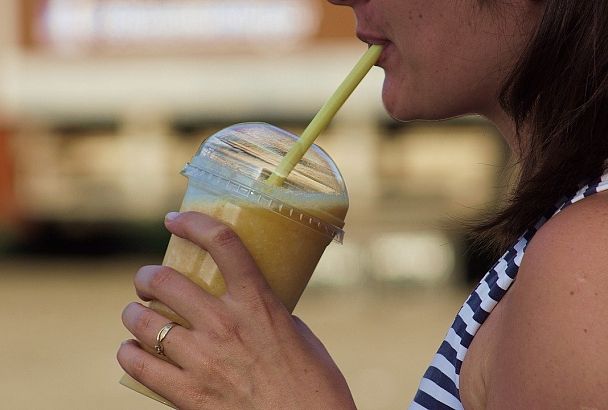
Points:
[(400, 103), (394, 104), (402, 106), (402, 109)]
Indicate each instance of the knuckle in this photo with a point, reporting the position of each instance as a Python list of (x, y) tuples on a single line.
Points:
[(252, 301), (139, 368), (271, 310), (143, 321), (160, 278), (226, 330), (223, 236)]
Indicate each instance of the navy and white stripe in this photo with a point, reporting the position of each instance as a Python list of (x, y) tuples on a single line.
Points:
[(439, 388)]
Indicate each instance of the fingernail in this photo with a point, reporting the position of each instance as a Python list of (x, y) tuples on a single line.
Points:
[(171, 216)]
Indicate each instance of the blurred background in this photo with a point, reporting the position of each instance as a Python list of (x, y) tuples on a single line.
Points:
[(101, 104)]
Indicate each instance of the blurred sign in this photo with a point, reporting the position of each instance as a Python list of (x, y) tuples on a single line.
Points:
[(75, 26)]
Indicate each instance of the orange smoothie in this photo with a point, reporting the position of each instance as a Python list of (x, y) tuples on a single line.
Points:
[(286, 251), (286, 227)]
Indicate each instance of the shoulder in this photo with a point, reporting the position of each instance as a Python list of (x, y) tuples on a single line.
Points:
[(553, 336), (571, 246), (577, 235)]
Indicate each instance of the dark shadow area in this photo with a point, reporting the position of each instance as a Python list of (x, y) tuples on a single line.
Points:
[(477, 262), (52, 239)]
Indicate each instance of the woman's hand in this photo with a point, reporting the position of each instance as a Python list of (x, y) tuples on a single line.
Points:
[(243, 350)]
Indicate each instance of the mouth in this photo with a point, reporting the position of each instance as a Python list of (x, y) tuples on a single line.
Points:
[(374, 39)]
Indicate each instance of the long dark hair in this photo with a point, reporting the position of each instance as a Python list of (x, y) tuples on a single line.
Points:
[(559, 90)]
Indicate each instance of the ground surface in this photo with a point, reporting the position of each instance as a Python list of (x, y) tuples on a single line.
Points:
[(61, 328)]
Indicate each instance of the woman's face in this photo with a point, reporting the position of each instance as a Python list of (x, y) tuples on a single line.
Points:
[(444, 58)]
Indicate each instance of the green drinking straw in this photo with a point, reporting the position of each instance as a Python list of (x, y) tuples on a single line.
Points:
[(325, 115)]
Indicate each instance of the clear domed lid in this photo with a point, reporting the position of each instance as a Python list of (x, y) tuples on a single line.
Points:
[(244, 155)]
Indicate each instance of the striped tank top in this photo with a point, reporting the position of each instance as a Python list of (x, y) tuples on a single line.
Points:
[(439, 388)]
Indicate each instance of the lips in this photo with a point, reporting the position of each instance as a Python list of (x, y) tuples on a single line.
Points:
[(375, 39), (372, 39)]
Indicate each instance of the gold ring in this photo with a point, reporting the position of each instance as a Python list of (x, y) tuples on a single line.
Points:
[(162, 333)]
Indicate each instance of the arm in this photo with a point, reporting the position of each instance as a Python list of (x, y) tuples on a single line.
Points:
[(552, 348), (243, 350)]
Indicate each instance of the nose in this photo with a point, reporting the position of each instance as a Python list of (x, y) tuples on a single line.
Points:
[(342, 2), (350, 3)]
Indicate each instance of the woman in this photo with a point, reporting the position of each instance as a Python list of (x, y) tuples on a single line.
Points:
[(539, 70)]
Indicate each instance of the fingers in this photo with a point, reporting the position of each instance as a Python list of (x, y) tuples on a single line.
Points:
[(176, 291), (154, 373), (144, 324), (238, 267)]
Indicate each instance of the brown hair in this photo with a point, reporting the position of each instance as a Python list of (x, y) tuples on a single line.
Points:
[(559, 91)]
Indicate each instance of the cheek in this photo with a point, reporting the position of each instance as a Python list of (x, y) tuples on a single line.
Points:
[(429, 83), (408, 96), (407, 90), (397, 97)]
